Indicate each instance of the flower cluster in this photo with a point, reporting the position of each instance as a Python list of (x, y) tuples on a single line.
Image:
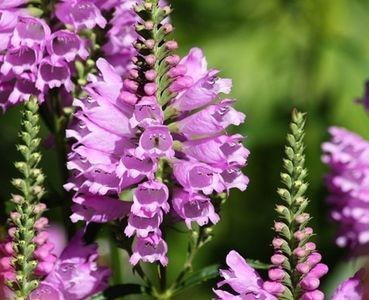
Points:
[(161, 133), (243, 279), (36, 57), (347, 156)]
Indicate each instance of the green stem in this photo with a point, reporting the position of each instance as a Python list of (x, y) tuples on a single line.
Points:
[(116, 263)]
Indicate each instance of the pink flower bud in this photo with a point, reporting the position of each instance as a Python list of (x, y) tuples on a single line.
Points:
[(171, 45), (39, 208), (302, 218), (173, 60), (150, 59), (128, 97), (9, 248), (319, 270), (299, 252), (149, 25), (12, 231), (177, 71), (276, 274), (314, 258), (277, 243), (150, 88), (310, 283), (41, 223), (299, 235), (133, 73), (15, 216), (151, 75), (41, 238), (5, 263), (181, 84), (168, 27), (313, 295), (310, 246), (130, 85), (274, 288), (278, 259), (303, 268), (150, 44), (279, 226)]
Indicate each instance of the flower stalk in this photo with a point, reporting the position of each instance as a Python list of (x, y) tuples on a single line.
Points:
[(296, 263)]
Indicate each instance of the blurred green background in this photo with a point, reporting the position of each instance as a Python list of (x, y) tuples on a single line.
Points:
[(313, 55)]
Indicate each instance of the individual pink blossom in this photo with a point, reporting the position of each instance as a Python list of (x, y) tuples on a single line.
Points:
[(150, 249), (194, 208), (243, 280), (80, 14), (65, 45)]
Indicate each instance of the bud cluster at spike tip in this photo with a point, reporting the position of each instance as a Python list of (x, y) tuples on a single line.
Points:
[(296, 264), (160, 132), (36, 57), (347, 156)]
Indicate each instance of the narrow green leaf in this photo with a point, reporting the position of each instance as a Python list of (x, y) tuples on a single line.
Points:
[(199, 277), (257, 264)]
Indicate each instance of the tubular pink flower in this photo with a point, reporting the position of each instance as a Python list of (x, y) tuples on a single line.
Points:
[(243, 279), (80, 14)]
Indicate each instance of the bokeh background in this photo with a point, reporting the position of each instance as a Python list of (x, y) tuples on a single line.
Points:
[(313, 55)]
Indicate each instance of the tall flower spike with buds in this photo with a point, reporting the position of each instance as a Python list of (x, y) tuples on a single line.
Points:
[(296, 270), (161, 133), (26, 256)]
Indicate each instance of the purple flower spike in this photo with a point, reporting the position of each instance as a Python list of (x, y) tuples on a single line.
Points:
[(194, 208), (20, 59), (149, 197), (65, 45), (53, 75), (347, 155), (243, 279), (156, 141), (80, 14), (150, 249), (30, 31)]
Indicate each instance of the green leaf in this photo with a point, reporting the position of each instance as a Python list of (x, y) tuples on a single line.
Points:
[(256, 264), (199, 277)]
